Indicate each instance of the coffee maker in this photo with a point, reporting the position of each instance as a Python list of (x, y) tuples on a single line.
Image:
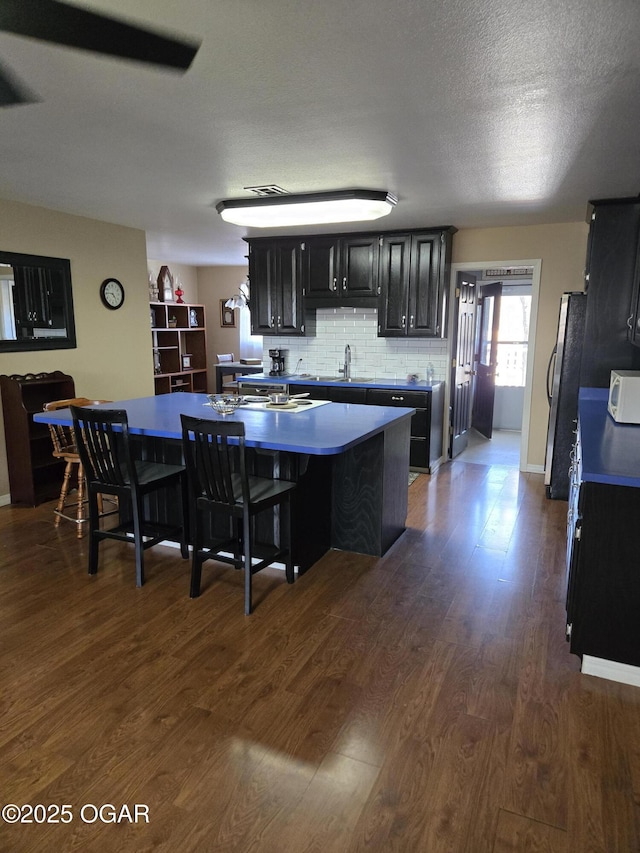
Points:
[(278, 357)]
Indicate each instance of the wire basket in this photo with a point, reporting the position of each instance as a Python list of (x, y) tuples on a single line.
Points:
[(224, 404)]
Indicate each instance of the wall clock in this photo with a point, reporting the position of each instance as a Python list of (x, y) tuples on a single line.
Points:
[(112, 293)]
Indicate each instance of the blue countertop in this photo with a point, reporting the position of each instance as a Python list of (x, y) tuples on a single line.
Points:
[(322, 431), (610, 451), (301, 379)]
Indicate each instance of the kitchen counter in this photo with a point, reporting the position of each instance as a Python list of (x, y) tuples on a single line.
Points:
[(610, 451), (351, 464), (307, 379), (323, 431)]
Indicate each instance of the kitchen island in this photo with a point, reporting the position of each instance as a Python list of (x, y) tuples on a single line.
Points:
[(351, 463)]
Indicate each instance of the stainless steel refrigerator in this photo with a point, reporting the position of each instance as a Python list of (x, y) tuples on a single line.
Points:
[(563, 383)]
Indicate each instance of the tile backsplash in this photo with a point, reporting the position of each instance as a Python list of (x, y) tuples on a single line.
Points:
[(371, 356)]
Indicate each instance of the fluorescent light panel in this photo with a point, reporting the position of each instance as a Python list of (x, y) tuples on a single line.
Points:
[(307, 208)]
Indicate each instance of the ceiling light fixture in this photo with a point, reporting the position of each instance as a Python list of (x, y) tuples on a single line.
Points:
[(241, 298), (307, 208)]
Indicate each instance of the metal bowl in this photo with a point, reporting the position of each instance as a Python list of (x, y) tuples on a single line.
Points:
[(278, 398), (224, 404)]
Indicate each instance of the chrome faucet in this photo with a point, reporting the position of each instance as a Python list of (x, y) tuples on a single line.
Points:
[(346, 370)]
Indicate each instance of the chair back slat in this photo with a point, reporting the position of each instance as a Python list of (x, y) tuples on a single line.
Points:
[(62, 436), (102, 438), (209, 457)]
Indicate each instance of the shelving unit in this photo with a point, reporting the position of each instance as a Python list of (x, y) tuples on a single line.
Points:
[(179, 347), (34, 474)]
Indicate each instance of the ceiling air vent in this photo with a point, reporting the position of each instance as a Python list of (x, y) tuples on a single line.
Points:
[(267, 190), (509, 272)]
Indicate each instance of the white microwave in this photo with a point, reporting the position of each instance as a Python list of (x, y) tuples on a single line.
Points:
[(624, 396)]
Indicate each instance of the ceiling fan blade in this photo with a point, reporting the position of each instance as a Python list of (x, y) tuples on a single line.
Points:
[(61, 23), (13, 93)]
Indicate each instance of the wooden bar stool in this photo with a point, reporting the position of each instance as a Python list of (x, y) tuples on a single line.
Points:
[(64, 447)]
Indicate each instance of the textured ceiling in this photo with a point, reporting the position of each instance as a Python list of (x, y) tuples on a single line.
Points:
[(472, 112)]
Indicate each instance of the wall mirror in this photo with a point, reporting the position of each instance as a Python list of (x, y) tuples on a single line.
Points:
[(36, 305)]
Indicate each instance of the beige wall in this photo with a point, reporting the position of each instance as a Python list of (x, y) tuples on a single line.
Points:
[(113, 359), (562, 249), (214, 284)]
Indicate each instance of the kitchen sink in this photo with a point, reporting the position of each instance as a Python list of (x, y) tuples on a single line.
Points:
[(317, 378), (334, 379)]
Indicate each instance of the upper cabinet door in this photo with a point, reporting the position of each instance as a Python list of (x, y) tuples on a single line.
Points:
[(427, 286), (262, 272), (359, 265), (321, 266), (610, 275), (288, 302), (395, 260)]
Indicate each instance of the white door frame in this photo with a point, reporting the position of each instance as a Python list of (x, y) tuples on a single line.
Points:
[(472, 266)]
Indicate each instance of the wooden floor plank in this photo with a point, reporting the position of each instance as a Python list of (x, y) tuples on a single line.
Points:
[(424, 701)]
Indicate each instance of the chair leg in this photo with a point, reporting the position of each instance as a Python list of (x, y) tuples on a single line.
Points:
[(63, 492), (248, 576), (94, 523), (136, 511), (184, 507), (286, 521), (238, 541), (196, 574), (196, 560), (80, 508)]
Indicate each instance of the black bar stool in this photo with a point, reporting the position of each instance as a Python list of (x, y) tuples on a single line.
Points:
[(102, 439), (214, 452)]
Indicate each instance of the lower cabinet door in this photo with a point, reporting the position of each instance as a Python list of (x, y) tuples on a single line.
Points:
[(419, 452)]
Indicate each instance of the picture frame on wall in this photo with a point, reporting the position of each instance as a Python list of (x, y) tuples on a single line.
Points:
[(227, 316)]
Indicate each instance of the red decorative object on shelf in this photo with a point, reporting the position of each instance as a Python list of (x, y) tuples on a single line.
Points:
[(179, 293)]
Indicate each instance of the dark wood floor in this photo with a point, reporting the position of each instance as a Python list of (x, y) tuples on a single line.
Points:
[(422, 702)]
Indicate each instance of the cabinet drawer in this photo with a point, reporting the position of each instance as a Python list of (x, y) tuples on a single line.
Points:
[(339, 394), (410, 399), (315, 392)]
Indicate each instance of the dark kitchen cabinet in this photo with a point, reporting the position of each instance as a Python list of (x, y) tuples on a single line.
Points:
[(340, 267), (610, 277), (603, 589), (34, 474), (426, 423), (404, 275), (414, 280), (275, 273)]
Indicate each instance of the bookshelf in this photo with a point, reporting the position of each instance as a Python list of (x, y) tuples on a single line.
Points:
[(179, 347)]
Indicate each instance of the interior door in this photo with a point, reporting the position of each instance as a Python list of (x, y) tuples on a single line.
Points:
[(462, 368), (486, 358)]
